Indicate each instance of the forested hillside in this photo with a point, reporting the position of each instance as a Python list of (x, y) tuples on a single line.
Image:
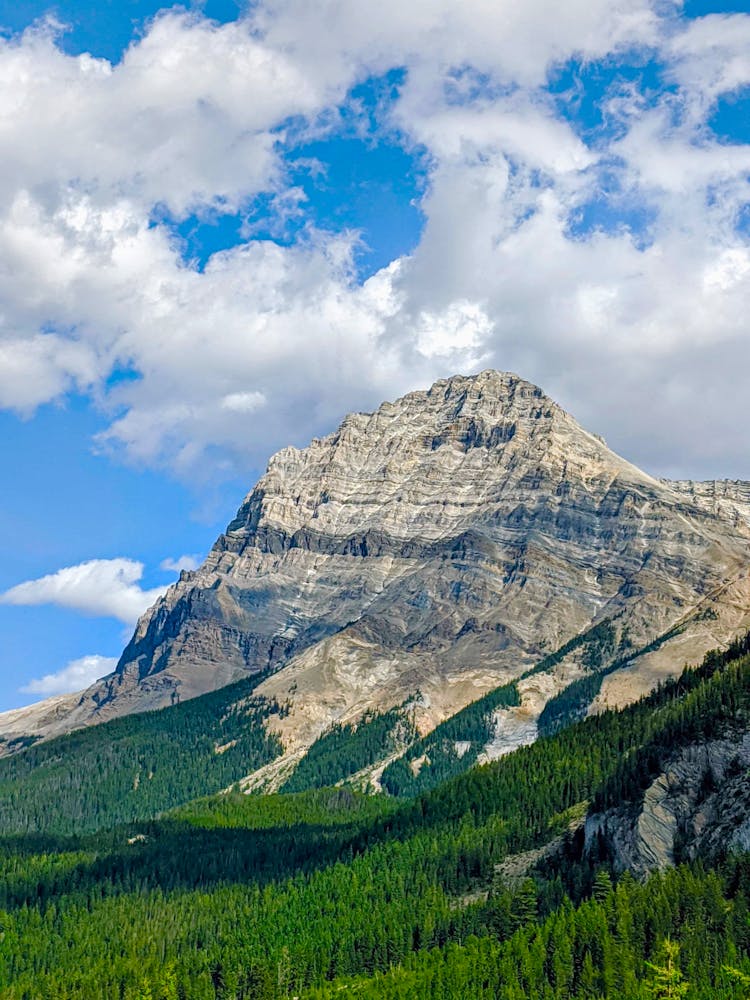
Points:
[(451, 748), (138, 766), (344, 750), (331, 893)]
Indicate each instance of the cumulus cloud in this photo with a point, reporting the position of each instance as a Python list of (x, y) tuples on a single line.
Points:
[(77, 675), (185, 119), (273, 342), (711, 58), (99, 587), (332, 38)]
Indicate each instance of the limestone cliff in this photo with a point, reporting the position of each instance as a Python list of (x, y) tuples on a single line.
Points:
[(445, 543), (698, 806)]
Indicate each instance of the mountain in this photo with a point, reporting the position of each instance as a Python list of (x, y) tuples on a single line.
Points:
[(454, 542)]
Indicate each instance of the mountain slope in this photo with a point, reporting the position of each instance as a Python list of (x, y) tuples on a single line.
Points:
[(238, 897), (136, 767), (443, 545)]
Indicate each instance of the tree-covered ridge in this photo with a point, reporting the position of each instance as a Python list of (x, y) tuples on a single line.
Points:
[(137, 766), (711, 701), (345, 749), (334, 893), (598, 644), (313, 807), (224, 839), (571, 704), (601, 656), (451, 748), (454, 746)]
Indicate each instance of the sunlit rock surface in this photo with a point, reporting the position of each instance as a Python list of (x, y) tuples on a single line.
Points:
[(443, 544)]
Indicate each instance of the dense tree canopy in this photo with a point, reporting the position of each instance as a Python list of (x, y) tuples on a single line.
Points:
[(331, 893)]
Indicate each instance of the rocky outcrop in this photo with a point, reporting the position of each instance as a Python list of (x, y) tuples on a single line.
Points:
[(698, 806), (729, 497), (445, 543)]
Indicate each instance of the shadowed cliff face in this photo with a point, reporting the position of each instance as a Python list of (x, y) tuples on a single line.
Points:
[(698, 806), (444, 543)]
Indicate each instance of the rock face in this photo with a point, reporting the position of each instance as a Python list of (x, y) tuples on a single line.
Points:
[(445, 543), (723, 496), (698, 806)]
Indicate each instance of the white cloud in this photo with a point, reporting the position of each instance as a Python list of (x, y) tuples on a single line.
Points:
[(181, 563), (272, 344), (77, 675), (42, 367), (710, 58), (460, 331), (331, 38), (184, 119), (243, 402), (99, 587)]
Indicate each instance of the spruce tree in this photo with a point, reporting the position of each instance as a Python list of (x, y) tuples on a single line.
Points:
[(666, 981)]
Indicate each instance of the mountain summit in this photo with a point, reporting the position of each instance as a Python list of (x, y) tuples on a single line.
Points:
[(431, 551)]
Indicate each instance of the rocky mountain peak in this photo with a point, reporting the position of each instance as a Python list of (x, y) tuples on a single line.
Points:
[(425, 462), (445, 544)]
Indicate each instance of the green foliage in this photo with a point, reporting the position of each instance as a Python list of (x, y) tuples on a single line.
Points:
[(666, 981), (316, 807), (570, 705), (133, 768), (597, 643), (573, 702), (596, 951), (345, 749), (330, 893), (600, 646), (702, 704), (451, 748)]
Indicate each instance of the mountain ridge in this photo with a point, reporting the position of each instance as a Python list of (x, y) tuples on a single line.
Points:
[(444, 543)]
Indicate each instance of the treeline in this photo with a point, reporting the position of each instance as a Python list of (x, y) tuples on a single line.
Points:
[(135, 767), (597, 643), (570, 705), (601, 655), (451, 748), (348, 748), (706, 703)]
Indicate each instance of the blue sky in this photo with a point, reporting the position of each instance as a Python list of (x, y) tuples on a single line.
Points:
[(223, 226)]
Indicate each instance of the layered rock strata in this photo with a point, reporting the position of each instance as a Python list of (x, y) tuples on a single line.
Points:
[(699, 806), (443, 544)]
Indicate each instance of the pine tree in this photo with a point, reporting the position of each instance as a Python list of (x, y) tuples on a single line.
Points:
[(602, 886), (525, 905), (666, 981)]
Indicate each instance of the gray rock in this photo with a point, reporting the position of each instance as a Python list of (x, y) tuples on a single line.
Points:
[(444, 543), (698, 806)]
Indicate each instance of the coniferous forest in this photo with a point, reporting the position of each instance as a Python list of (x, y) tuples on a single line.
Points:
[(330, 892)]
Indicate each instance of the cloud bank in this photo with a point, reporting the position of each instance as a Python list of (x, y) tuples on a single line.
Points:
[(602, 253), (98, 587), (77, 675)]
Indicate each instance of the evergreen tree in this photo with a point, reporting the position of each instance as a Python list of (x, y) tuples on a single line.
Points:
[(666, 981)]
